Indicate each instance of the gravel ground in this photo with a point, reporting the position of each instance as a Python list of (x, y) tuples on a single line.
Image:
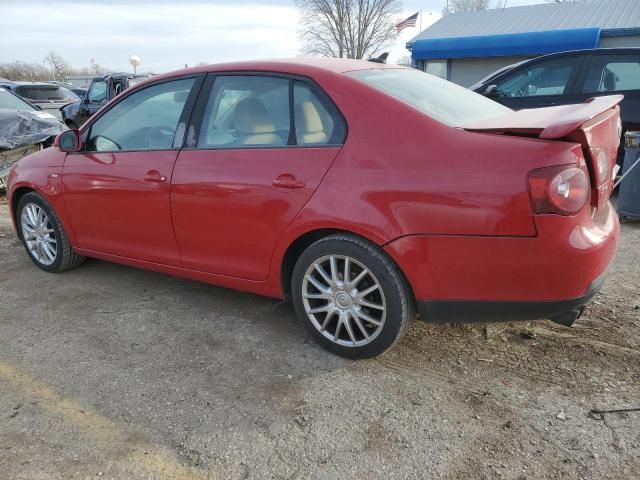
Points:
[(116, 373)]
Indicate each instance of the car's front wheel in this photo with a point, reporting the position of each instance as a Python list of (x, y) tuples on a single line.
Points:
[(43, 236), (351, 297)]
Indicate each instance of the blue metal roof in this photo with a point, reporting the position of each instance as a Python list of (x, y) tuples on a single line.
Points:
[(510, 44)]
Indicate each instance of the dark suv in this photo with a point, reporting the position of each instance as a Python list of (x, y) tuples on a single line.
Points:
[(570, 77)]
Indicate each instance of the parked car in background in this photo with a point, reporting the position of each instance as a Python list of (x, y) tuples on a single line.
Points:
[(101, 90), (287, 179), (24, 129), (570, 77), (48, 96)]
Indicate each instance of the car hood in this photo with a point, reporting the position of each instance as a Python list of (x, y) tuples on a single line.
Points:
[(23, 127)]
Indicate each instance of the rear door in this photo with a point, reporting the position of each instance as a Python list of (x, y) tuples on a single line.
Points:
[(615, 73), (256, 150), (540, 84)]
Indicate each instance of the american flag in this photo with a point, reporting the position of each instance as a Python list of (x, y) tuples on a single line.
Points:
[(408, 22)]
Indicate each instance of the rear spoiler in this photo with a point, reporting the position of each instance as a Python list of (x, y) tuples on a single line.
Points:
[(549, 122)]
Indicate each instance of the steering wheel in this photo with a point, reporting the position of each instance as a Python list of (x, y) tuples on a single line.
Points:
[(159, 137)]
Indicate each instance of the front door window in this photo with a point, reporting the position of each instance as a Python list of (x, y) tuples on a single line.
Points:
[(145, 120)]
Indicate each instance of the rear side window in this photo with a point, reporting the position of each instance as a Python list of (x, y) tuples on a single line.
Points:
[(545, 78), (611, 73), (317, 121)]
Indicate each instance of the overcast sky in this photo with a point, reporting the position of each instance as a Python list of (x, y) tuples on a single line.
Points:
[(166, 34)]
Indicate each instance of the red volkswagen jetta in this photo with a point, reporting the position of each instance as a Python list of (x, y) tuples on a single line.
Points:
[(366, 193)]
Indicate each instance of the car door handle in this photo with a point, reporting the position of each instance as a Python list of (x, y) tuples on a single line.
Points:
[(154, 176), (288, 181)]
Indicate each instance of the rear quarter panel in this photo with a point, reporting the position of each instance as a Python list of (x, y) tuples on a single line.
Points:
[(402, 173)]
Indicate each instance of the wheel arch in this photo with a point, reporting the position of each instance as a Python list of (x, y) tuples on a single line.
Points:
[(17, 194), (304, 240)]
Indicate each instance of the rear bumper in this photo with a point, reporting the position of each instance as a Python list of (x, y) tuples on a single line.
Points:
[(481, 278), (564, 312)]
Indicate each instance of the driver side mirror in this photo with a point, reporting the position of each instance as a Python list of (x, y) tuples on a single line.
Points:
[(69, 141), (491, 91)]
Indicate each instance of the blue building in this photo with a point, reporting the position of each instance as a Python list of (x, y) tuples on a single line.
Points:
[(465, 47)]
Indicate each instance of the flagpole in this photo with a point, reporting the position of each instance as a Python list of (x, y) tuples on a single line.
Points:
[(420, 28)]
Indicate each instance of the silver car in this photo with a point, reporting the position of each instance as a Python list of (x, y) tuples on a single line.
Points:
[(48, 96)]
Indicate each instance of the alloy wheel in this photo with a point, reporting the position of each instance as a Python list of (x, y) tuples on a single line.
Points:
[(39, 234), (344, 300)]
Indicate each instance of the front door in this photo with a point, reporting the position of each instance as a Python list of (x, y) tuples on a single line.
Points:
[(117, 189), (250, 170)]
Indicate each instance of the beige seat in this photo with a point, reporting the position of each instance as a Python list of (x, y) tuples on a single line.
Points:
[(253, 124), (309, 127)]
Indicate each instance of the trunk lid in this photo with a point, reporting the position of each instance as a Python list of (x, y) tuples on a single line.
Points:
[(595, 125)]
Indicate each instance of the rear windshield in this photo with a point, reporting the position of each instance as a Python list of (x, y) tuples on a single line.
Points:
[(11, 102), (444, 101), (42, 93)]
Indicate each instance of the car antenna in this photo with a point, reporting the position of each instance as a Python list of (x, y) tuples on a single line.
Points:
[(382, 58)]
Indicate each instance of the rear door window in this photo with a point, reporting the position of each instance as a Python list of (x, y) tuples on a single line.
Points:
[(612, 73), (541, 79), (246, 111)]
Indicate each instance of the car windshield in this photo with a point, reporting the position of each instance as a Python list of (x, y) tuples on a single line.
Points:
[(12, 102), (47, 93), (440, 99)]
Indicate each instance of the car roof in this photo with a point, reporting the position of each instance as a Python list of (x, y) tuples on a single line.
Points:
[(294, 66)]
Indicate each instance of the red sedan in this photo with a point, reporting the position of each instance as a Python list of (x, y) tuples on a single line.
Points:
[(368, 194)]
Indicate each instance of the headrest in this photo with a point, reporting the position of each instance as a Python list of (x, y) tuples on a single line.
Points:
[(308, 118), (250, 117), (609, 82)]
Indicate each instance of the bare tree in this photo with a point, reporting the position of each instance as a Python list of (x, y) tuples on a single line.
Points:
[(461, 6), (36, 72), (57, 64), (31, 72), (347, 28)]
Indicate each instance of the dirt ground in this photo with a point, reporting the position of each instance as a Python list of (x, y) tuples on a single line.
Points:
[(116, 373)]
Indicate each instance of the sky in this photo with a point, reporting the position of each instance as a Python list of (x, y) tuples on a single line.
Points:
[(166, 35)]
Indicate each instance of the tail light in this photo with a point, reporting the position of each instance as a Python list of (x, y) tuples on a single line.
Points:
[(563, 190)]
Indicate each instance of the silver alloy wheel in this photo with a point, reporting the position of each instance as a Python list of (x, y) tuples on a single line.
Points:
[(39, 234), (344, 300)]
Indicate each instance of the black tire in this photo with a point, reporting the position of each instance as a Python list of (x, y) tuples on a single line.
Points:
[(65, 258), (400, 305)]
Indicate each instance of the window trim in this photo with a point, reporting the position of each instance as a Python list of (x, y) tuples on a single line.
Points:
[(86, 129), (197, 116)]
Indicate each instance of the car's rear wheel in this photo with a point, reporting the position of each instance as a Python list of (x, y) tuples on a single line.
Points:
[(351, 297), (43, 236)]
